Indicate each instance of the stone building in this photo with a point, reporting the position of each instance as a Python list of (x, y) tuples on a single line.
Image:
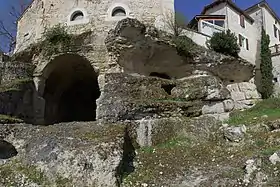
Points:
[(68, 84)]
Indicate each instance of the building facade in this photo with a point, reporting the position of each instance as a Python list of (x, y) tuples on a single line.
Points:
[(246, 24), (81, 15)]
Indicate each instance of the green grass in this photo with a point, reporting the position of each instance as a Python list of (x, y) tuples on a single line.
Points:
[(269, 107), (5, 119)]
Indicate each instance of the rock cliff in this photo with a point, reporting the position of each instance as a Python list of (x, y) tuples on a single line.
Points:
[(156, 122)]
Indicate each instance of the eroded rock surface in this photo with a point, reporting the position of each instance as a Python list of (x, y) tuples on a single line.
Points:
[(77, 154), (144, 50), (133, 97)]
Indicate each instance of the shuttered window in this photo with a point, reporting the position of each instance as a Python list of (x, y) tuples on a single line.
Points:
[(247, 44), (240, 39), (242, 21)]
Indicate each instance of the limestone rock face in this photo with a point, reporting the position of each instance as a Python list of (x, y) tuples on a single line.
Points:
[(140, 49), (132, 97), (77, 154)]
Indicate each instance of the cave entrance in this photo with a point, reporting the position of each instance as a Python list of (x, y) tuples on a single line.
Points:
[(71, 90)]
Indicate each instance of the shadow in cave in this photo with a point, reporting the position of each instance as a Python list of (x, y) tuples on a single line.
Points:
[(160, 75), (71, 90), (7, 150)]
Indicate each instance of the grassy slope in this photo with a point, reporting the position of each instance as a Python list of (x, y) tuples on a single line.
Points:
[(266, 110), (179, 156)]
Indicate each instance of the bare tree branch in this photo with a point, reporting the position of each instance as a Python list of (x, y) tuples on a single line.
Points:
[(175, 22), (8, 27)]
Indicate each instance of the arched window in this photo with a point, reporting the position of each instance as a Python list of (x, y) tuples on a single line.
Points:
[(118, 12), (78, 15)]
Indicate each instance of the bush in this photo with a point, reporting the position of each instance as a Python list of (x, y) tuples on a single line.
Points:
[(225, 43), (266, 67), (184, 45)]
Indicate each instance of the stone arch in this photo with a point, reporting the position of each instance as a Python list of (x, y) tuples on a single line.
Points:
[(70, 89)]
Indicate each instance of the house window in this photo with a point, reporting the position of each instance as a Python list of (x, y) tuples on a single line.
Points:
[(220, 23), (210, 21), (279, 35), (78, 15), (243, 42), (242, 21), (118, 12), (247, 44), (240, 37), (275, 30)]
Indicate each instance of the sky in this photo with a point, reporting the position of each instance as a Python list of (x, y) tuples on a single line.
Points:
[(189, 8)]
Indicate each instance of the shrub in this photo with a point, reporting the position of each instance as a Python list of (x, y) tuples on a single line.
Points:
[(225, 43), (184, 45), (266, 89)]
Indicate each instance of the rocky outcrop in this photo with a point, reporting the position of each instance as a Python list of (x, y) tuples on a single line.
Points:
[(144, 50), (16, 99), (77, 154), (132, 97)]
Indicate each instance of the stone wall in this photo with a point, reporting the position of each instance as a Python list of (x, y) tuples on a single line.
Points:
[(10, 70), (16, 89), (44, 14)]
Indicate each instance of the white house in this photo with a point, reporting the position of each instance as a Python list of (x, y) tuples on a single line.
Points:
[(247, 24)]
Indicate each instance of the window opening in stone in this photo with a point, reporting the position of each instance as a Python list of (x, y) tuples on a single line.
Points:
[(78, 15), (118, 12), (70, 95), (159, 75), (168, 88)]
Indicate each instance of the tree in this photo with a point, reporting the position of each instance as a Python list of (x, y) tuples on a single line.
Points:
[(225, 43), (8, 24), (266, 67), (175, 22)]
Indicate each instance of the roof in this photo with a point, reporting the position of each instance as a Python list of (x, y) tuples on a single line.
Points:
[(263, 3), (197, 17), (231, 4)]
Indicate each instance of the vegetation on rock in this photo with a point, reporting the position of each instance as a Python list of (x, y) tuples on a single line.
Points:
[(184, 45), (56, 39), (266, 89), (225, 43)]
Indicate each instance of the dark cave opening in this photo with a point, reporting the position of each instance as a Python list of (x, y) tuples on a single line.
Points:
[(71, 90), (160, 75)]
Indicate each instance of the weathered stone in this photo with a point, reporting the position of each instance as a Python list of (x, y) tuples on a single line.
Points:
[(228, 105), (140, 96), (137, 51), (235, 134), (80, 154), (238, 96), (213, 108), (275, 158)]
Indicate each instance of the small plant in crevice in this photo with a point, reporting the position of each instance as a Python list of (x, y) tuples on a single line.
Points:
[(225, 43), (56, 40)]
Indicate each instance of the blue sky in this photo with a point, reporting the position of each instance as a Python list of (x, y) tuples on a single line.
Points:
[(189, 8)]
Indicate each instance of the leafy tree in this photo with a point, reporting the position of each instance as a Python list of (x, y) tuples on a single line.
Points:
[(266, 67), (225, 43)]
